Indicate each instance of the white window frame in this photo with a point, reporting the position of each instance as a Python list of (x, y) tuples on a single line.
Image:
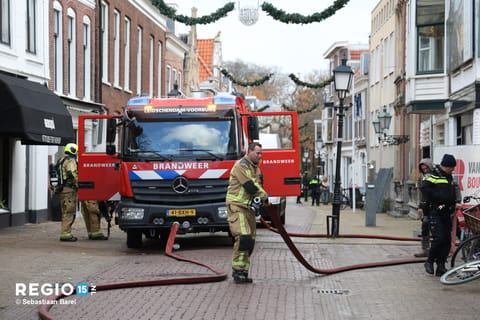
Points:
[(159, 70), (87, 58), (139, 60), (5, 27), (150, 66), (57, 47), (126, 50), (116, 48), (104, 35), (168, 80), (31, 26), (71, 52)]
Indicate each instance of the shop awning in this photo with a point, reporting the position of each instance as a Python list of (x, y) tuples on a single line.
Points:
[(31, 112)]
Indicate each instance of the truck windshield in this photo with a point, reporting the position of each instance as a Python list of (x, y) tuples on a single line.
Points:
[(181, 140)]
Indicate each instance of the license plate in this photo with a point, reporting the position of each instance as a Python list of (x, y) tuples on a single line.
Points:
[(181, 212)]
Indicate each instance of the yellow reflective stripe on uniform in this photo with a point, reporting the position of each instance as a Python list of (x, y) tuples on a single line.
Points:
[(240, 263), (437, 180), (238, 199), (243, 223)]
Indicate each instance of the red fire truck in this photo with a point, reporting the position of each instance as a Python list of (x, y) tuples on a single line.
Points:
[(169, 159)]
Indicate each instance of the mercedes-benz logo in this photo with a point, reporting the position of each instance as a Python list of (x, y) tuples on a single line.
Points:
[(180, 184)]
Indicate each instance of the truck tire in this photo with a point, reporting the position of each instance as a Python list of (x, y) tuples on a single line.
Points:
[(134, 238)]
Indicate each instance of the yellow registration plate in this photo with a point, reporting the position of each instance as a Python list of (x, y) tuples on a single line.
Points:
[(181, 212)]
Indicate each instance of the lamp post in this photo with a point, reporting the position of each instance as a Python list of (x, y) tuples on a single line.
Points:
[(343, 75)]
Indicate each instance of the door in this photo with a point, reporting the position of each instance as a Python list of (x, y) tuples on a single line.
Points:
[(98, 172), (278, 134)]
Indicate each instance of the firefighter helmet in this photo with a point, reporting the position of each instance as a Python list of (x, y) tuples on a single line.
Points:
[(71, 148)]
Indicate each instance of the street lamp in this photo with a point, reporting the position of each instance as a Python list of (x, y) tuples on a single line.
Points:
[(342, 75), (382, 123)]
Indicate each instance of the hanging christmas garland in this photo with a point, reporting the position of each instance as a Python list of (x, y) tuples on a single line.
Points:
[(304, 125), (297, 18), (315, 106), (189, 21), (247, 83), (262, 108), (320, 85)]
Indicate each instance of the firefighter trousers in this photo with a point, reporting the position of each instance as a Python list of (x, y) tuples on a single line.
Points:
[(91, 216), (243, 226), (68, 203)]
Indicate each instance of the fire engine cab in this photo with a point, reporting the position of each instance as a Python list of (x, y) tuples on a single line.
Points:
[(169, 159)]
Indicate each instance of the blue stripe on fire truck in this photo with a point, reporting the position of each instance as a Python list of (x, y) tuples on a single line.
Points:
[(154, 175)]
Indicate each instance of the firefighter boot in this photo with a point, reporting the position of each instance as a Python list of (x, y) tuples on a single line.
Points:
[(240, 277), (440, 269), (424, 252), (429, 267), (247, 279)]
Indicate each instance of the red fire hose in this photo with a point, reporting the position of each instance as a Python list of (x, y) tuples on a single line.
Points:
[(219, 276), (43, 310), (286, 237)]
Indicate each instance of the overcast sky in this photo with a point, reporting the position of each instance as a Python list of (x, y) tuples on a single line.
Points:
[(294, 48)]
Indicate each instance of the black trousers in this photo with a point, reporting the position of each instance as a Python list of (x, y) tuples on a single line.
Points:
[(425, 228), (440, 229)]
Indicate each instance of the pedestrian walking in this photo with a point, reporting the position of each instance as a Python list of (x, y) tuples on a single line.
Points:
[(305, 185), (425, 166), (325, 190), (439, 193), (244, 187), (299, 197)]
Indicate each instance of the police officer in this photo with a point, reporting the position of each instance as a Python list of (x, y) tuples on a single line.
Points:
[(68, 200), (439, 192), (315, 187), (244, 186), (425, 166)]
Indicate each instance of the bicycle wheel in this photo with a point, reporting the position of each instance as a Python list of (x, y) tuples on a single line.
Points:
[(463, 273), (468, 250)]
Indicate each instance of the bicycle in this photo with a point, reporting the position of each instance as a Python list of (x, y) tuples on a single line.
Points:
[(346, 201), (470, 237), (468, 252)]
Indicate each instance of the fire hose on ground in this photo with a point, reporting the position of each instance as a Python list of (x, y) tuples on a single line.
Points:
[(221, 275)]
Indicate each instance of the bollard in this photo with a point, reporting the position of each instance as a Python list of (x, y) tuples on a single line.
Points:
[(370, 206)]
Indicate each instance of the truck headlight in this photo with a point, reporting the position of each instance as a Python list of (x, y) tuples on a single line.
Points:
[(222, 212), (132, 213)]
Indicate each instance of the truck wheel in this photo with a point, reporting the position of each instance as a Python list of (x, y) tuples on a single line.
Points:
[(134, 239), (282, 218)]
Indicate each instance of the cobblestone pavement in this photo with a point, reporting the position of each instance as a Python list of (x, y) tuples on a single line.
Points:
[(282, 288)]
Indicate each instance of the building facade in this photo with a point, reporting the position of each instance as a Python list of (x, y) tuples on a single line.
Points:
[(353, 153), (93, 56)]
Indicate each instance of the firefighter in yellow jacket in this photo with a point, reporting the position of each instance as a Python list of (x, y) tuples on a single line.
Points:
[(244, 186), (68, 199)]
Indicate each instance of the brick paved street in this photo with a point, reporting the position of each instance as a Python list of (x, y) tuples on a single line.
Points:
[(282, 288)]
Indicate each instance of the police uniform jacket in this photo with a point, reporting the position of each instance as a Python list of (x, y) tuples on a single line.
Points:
[(438, 190)]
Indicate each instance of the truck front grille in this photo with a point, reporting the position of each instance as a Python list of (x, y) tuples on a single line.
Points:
[(197, 191)]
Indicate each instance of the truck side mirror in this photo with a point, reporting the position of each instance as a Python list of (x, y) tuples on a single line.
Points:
[(252, 125), (111, 130), (111, 135)]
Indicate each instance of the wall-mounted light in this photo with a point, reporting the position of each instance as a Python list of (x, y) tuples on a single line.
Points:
[(382, 124)]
